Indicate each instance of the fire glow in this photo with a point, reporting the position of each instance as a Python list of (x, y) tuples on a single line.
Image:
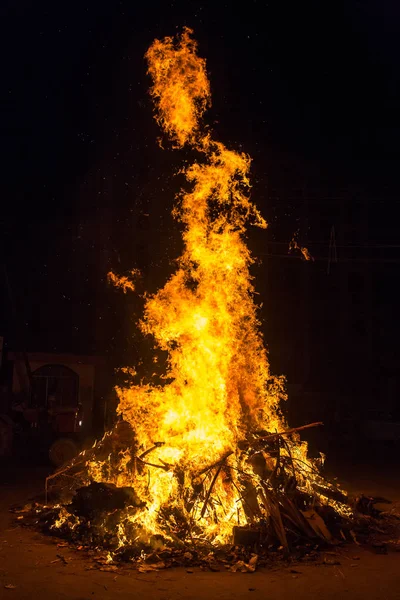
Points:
[(206, 456)]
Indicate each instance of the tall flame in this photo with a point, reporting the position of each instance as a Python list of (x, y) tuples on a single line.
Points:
[(218, 388), (181, 88)]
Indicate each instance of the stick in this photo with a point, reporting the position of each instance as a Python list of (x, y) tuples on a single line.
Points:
[(216, 464), (203, 510), (153, 465), (156, 445), (56, 474), (273, 508), (290, 456), (243, 498), (289, 431)]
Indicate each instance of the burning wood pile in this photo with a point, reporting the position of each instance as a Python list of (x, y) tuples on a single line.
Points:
[(273, 504), (206, 460)]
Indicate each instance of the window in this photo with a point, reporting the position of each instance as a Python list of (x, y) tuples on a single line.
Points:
[(55, 385)]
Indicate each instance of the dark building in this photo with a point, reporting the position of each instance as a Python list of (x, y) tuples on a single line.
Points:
[(331, 323)]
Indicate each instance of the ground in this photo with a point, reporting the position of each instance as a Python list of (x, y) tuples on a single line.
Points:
[(34, 565)]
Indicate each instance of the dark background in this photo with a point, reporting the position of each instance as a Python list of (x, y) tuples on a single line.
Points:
[(310, 90)]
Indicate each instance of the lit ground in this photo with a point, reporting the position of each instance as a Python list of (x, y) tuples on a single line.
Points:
[(29, 560)]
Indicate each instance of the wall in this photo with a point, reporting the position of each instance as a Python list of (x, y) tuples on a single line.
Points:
[(82, 366)]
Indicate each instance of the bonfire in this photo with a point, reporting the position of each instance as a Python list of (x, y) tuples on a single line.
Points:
[(204, 460)]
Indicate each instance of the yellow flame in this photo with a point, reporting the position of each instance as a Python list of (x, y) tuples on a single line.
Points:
[(205, 318), (220, 390), (181, 89)]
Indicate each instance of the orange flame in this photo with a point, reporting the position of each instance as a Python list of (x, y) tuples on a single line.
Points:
[(122, 281), (294, 245), (219, 390), (181, 89), (220, 385)]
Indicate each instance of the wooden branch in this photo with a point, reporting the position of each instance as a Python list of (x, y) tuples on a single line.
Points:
[(152, 464), (156, 445), (272, 507), (271, 436), (216, 464), (290, 456), (56, 474), (203, 510)]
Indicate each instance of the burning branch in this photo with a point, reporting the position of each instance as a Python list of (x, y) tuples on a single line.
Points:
[(219, 462), (210, 489), (272, 436)]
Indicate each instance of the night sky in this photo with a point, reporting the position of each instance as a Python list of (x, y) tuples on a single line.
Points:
[(309, 89)]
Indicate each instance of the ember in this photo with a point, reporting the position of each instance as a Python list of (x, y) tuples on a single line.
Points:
[(206, 459)]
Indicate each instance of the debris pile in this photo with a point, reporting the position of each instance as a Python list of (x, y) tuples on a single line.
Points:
[(284, 523)]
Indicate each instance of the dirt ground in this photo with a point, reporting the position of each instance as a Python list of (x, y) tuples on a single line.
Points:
[(32, 565)]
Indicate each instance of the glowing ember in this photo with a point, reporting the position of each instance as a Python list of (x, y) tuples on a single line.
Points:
[(294, 245), (203, 459), (122, 281)]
